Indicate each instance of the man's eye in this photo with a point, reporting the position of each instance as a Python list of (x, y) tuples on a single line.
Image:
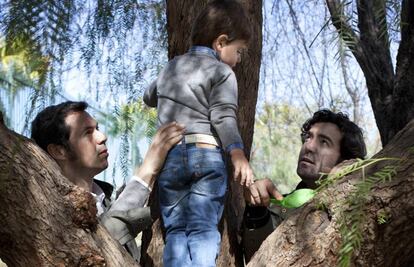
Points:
[(305, 137), (325, 142)]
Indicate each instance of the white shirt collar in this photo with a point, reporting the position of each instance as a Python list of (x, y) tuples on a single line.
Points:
[(99, 196)]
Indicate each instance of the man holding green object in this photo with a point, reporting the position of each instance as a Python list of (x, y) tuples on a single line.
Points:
[(328, 139)]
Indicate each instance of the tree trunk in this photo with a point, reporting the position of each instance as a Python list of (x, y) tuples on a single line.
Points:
[(45, 220), (180, 17), (391, 94), (231, 253), (311, 236), (403, 97)]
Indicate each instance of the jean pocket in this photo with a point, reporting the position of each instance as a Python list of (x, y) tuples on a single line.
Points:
[(210, 181), (172, 183), (207, 158)]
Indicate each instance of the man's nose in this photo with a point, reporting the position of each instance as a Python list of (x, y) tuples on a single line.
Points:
[(310, 145), (101, 137)]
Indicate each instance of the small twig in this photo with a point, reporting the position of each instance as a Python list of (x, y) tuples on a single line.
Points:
[(323, 27)]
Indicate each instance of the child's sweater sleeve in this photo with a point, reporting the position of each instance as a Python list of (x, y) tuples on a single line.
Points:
[(223, 107), (150, 95)]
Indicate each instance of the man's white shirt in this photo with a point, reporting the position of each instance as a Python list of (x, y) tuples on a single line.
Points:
[(99, 194)]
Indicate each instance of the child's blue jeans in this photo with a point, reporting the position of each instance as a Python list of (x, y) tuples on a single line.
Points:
[(192, 188)]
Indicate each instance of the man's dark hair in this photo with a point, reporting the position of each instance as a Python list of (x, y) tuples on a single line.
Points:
[(352, 142), (49, 125), (220, 17)]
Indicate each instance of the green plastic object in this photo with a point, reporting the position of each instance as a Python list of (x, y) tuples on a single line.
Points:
[(295, 199)]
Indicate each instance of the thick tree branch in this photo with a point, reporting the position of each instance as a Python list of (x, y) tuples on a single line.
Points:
[(311, 235), (404, 92), (373, 38), (44, 219), (368, 16), (375, 44), (407, 19), (371, 50), (345, 30)]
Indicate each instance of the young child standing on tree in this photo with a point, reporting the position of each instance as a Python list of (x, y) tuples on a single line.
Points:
[(199, 90)]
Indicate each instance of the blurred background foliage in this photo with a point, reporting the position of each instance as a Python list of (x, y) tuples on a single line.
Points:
[(277, 143), (102, 52)]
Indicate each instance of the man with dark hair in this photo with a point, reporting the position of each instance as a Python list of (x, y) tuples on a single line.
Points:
[(328, 139), (72, 138)]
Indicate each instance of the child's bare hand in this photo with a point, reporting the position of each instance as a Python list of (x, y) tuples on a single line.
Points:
[(242, 170)]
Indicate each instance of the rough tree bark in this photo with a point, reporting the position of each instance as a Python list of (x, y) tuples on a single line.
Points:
[(247, 73), (391, 94), (180, 15), (45, 220), (310, 237)]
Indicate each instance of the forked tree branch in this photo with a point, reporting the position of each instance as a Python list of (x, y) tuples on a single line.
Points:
[(373, 29), (372, 40), (373, 21), (345, 30), (371, 50)]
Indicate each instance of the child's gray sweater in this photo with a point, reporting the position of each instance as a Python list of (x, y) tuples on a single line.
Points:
[(199, 91)]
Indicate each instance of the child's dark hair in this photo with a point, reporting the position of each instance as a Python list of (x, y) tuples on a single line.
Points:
[(220, 17)]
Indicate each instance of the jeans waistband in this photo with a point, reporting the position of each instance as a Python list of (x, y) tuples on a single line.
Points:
[(201, 138)]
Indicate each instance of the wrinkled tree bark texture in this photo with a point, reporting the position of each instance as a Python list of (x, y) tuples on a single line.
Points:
[(180, 16), (391, 93), (310, 237), (44, 220)]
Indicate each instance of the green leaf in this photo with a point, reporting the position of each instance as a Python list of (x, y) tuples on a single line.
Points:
[(295, 199)]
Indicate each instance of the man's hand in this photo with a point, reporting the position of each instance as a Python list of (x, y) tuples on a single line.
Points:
[(166, 137), (242, 170), (260, 191)]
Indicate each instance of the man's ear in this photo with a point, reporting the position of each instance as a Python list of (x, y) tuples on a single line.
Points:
[(220, 42), (58, 152)]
